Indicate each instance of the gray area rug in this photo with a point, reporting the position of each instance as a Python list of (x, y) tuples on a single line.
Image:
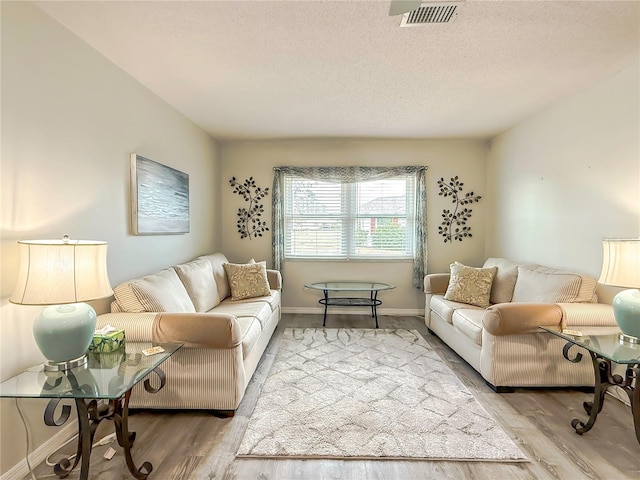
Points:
[(366, 394)]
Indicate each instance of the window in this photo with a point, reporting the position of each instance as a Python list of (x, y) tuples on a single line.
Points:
[(350, 212), (362, 219)]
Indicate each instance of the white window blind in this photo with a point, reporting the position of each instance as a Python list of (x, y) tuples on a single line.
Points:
[(373, 219)]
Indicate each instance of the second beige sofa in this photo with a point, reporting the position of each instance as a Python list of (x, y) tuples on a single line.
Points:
[(502, 340)]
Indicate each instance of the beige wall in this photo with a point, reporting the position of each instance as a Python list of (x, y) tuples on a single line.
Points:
[(70, 119), (568, 177), (445, 158)]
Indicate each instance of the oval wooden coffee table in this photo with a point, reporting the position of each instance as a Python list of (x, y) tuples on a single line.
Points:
[(351, 286)]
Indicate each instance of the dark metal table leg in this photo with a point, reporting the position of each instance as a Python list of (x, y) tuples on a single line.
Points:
[(126, 438), (326, 304), (90, 414), (603, 377), (634, 396), (374, 305)]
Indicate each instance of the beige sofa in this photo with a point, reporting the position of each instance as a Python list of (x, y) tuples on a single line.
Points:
[(502, 340), (224, 337)]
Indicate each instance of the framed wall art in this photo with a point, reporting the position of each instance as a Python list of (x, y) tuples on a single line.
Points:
[(159, 198)]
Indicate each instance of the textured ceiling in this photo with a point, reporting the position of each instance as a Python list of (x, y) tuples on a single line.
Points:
[(269, 69)]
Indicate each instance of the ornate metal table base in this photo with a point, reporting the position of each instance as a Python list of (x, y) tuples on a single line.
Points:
[(371, 302), (90, 414), (604, 378)]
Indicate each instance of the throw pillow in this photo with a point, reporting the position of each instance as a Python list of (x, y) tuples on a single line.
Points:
[(470, 285), (550, 286), (197, 278), (504, 281), (162, 292), (247, 280)]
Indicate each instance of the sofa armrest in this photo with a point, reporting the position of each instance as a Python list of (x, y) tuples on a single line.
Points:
[(138, 327), (587, 315), (436, 283), (197, 330), (517, 318), (275, 279), (194, 330)]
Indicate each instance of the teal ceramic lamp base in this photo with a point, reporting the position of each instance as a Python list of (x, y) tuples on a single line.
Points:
[(63, 334), (626, 308)]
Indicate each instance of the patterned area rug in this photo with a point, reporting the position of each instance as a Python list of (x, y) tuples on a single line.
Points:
[(366, 394)]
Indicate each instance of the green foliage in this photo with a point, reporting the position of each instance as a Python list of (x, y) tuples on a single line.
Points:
[(361, 238), (389, 236)]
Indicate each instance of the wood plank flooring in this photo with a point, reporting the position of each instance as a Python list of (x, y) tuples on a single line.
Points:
[(197, 445)]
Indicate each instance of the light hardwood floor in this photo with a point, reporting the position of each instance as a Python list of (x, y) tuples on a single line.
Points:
[(197, 445)]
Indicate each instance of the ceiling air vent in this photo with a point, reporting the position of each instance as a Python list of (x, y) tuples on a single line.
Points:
[(429, 13)]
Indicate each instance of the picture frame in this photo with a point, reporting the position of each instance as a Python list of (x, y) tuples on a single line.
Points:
[(159, 198)]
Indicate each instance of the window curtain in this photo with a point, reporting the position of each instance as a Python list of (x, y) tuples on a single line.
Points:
[(351, 175)]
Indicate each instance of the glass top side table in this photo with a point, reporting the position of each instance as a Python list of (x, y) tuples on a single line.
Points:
[(351, 286), (107, 376), (605, 347)]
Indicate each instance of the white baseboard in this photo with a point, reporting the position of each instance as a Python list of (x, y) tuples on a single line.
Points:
[(394, 312), (39, 455)]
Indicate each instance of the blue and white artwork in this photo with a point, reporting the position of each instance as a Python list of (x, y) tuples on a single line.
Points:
[(160, 198)]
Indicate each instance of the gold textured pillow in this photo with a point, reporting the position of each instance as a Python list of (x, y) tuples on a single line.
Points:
[(247, 280), (470, 285)]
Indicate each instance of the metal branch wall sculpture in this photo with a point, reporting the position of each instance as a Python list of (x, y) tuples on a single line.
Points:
[(454, 224), (249, 222)]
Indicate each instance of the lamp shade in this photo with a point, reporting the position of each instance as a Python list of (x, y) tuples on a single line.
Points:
[(621, 263), (61, 271), (621, 268)]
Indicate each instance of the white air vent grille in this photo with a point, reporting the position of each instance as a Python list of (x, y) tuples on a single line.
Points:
[(431, 13)]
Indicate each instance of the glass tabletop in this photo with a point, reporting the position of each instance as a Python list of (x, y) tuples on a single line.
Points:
[(604, 341), (106, 375), (351, 286)]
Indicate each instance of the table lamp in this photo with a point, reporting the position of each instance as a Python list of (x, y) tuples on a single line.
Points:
[(62, 274), (621, 268)]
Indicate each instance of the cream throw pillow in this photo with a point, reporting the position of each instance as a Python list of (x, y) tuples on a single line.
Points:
[(197, 278), (504, 280), (248, 280), (470, 285), (550, 286), (161, 292)]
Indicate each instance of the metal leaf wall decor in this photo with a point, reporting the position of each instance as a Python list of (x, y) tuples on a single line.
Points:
[(249, 222), (454, 224)]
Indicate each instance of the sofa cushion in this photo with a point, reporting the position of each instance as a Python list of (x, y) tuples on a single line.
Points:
[(504, 281), (257, 309), (469, 322), (542, 284), (250, 331), (445, 308), (470, 285), (247, 280), (217, 261), (197, 278), (273, 300), (161, 292)]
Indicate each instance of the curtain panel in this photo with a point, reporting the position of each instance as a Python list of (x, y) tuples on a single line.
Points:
[(352, 175)]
